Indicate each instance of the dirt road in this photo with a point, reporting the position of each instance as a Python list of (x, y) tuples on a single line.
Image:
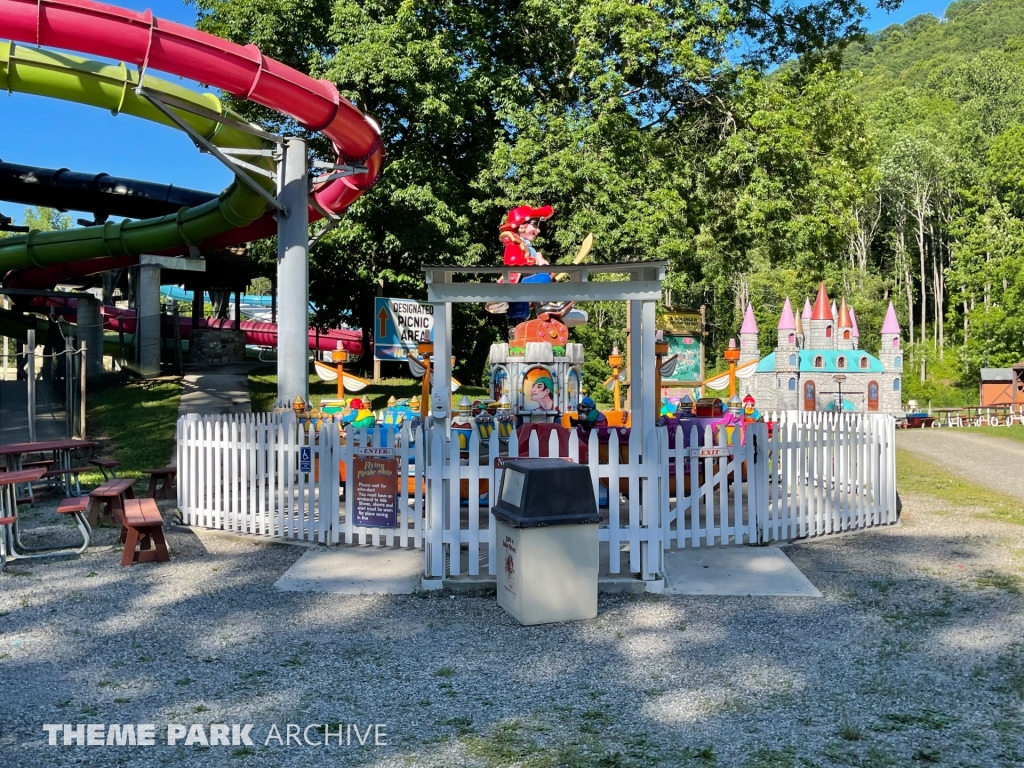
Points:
[(996, 463)]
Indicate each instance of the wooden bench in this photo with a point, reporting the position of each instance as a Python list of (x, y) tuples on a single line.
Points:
[(166, 474), (77, 506), (106, 465), (143, 529), (109, 499), (69, 476), (34, 463)]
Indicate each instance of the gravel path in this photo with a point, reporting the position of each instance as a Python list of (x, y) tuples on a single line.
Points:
[(995, 462), (911, 658)]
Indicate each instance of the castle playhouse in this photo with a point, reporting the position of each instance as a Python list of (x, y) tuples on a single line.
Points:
[(817, 356)]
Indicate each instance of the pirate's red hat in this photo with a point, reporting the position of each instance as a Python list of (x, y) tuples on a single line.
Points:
[(519, 216)]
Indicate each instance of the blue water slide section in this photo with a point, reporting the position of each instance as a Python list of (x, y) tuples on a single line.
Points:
[(179, 294)]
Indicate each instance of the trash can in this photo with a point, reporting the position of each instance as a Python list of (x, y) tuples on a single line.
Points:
[(546, 521)]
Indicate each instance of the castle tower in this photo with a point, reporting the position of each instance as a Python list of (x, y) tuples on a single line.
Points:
[(891, 356), (787, 359), (856, 331), (820, 329), (801, 325), (787, 326), (844, 327), (748, 338)]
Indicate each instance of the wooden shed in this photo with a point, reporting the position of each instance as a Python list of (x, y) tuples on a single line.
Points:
[(1002, 386)]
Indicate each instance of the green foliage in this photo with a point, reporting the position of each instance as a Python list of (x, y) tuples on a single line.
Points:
[(644, 123), (945, 104), (139, 420), (45, 219)]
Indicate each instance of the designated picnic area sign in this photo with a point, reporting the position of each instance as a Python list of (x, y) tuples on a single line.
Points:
[(400, 326), (376, 491)]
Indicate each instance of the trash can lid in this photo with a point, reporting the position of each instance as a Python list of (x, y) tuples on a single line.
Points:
[(539, 492)]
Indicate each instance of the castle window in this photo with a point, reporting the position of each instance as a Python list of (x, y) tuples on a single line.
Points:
[(792, 338), (828, 331), (896, 385), (896, 343), (819, 362), (864, 362), (897, 361), (792, 359), (840, 362), (846, 335), (792, 384)]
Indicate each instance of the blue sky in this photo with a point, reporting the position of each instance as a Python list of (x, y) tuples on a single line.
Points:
[(57, 134)]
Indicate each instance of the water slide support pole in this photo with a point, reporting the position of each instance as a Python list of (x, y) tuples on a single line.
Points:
[(293, 274), (147, 319)]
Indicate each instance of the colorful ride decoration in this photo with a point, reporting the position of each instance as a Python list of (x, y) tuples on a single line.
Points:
[(539, 381)]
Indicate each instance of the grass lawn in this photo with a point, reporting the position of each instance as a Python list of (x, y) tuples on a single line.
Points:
[(263, 390), (915, 475), (1016, 432), (134, 424)]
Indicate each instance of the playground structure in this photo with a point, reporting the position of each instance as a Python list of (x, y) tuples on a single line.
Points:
[(271, 176)]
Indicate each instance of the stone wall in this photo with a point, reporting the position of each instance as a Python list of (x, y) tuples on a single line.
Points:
[(209, 346)]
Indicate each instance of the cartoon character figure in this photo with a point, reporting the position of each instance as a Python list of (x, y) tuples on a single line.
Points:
[(589, 416), (750, 413), (359, 415), (542, 393), (517, 234)]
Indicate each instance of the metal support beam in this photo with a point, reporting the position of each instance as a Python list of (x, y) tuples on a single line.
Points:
[(543, 292), (293, 274), (30, 364), (441, 364), (206, 145)]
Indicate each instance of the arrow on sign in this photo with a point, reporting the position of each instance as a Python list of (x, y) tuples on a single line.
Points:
[(382, 318)]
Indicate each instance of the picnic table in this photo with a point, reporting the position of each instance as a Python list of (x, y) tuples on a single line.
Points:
[(978, 415), (11, 546), (62, 450)]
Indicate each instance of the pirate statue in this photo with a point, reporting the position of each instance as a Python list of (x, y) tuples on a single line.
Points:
[(750, 412), (517, 233), (589, 416)]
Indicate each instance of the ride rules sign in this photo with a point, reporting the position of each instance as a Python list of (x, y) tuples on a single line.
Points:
[(376, 491)]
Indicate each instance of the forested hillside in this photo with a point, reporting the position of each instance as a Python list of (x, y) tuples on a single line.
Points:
[(942, 222)]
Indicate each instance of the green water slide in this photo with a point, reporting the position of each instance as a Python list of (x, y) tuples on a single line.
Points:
[(113, 87)]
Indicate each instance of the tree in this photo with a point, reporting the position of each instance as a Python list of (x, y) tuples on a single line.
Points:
[(607, 109), (42, 219)]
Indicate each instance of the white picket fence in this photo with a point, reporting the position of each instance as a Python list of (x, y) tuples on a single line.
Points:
[(829, 473), (630, 495), (818, 474), (240, 473)]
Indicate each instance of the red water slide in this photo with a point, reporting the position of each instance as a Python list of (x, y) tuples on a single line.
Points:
[(141, 39), (257, 333)]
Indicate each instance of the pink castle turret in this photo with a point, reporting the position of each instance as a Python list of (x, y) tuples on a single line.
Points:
[(856, 330), (891, 325), (806, 314), (748, 337), (787, 326)]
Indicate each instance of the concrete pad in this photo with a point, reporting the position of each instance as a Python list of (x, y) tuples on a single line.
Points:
[(735, 571), (355, 570), (214, 392)]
